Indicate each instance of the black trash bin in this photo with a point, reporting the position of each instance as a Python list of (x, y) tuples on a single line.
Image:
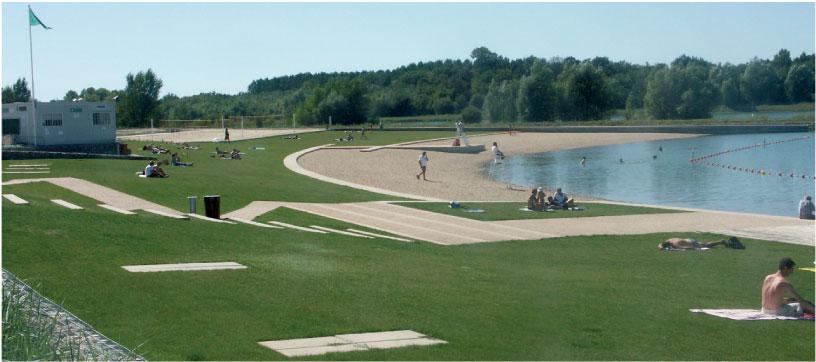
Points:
[(212, 206)]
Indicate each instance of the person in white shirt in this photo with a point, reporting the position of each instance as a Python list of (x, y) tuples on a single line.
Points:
[(423, 165), (498, 155), (806, 209), (460, 133)]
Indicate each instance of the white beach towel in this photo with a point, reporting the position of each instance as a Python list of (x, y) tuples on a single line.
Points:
[(744, 314)]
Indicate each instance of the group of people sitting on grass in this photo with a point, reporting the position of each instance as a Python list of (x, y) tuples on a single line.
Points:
[(154, 149), (153, 169), (348, 138), (235, 154), (539, 201)]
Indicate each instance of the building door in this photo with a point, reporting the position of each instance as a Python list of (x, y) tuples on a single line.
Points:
[(11, 126)]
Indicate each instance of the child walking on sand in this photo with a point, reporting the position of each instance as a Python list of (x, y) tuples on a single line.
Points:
[(423, 165)]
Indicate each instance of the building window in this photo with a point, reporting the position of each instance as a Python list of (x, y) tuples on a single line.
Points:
[(22, 108), (52, 119), (101, 119)]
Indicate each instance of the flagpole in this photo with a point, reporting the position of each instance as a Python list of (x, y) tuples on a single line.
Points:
[(33, 98)]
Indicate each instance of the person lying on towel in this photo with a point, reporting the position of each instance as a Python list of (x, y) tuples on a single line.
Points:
[(691, 244), (776, 287)]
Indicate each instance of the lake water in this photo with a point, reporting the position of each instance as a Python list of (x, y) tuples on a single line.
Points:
[(746, 116), (671, 179)]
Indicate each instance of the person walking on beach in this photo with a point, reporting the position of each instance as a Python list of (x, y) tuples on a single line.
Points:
[(583, 161), (226, 135), (498, 155), (460, 133), (806, 209), (423, 165)]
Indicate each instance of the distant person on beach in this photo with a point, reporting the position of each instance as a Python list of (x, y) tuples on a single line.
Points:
[(423, 165), (362, 133), (620, 160), (776, 287), (460, 133), (583, 161), (654, 157), (806, 209), (691, 244), (560, 199), (660, 148), (226, 135), (498, 155)]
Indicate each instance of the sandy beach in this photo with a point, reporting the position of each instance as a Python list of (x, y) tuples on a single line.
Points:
[(453, 176), (209, 134)]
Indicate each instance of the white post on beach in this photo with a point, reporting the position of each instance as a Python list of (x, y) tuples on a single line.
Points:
[(294, 121), (329, 123), (242, 127), (151, 123)]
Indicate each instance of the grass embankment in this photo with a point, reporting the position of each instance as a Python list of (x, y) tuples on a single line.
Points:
[(259, 176), (494, 211), (585, 298)]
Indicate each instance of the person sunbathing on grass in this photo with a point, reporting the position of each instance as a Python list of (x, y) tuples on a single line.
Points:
[(776, 287), (691, 244), (175, 160)]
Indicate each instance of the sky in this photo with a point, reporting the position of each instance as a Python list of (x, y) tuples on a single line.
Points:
[(222, 47)]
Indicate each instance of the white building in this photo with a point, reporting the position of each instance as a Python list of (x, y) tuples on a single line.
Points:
[(60, 125)]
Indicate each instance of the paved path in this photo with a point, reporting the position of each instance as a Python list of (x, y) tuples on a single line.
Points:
[(400, 220), (774, 228), (100, 193), (451, 230)]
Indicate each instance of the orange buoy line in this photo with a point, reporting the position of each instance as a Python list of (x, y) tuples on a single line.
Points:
[(705, 160)]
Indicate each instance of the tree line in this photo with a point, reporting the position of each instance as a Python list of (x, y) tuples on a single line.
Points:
[(488, 87)]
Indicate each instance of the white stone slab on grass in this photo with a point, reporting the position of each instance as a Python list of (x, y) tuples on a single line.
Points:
[(66, 204), (340, 232), (379, 235), (15, 199), (290, 226), (349, 343), (380, 336), (202, 217), (255, 223), (27, 165), (167, 214), (116, 209), (154, 268), (26, 171)]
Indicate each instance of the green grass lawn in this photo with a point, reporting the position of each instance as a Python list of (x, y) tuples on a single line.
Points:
[(259, 176), (494, 211), (573, 298), (585, 298)]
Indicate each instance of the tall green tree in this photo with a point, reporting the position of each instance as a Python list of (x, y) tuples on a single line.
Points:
[(585, 94), (799, 83), (140, 100), (18, 92), (537, 100)]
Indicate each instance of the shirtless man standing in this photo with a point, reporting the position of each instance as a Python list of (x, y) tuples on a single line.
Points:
[(774, 289)]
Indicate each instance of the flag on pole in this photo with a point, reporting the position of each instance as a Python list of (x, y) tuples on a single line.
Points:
[(34, 20)]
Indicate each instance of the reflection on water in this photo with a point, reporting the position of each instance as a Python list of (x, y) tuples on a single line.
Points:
[(670, 179)]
